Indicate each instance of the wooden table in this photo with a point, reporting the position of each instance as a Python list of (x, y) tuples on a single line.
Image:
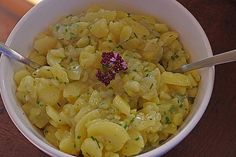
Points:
[(215, 134)]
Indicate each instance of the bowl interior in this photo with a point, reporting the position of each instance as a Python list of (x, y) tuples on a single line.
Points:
[(48, 12)]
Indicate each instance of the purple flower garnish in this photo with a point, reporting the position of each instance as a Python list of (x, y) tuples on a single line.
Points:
[(113, 63), (105, 77)]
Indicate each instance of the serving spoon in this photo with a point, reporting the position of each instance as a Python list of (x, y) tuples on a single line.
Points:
[(222, 58), (226, 57), (7, 51)]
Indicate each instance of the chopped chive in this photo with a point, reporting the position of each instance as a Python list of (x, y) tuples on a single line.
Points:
[(135, 35), (137, 138), (94, 139), (167, 120), (89, 40), (132, 120), (72, 36), (45, 131), (59, 104), (126, 126), (120, 46), (57, 27), (151, 86), (181, 100), (174, 56), (78, 137), (119, 124), (146, 70), (191, 99), (40, 104)]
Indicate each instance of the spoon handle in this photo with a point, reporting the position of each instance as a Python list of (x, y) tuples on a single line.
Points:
[(222, 58), (16, 56)]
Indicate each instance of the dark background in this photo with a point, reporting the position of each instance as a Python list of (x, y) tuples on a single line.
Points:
[(215, 134)]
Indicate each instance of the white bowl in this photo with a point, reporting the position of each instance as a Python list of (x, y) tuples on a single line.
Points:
[(49, 11)]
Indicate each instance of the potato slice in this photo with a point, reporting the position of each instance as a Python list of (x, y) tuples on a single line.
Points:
[(67, 145), (49, 95), (55, 56), (121, 105), (91, 148), (19, 75), (100, 29), (135, 145), (175, 79), (80, 129), (112, 135), (125, 33), (42, 45)]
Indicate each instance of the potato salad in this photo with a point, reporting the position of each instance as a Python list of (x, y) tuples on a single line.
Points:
[(104, 88)]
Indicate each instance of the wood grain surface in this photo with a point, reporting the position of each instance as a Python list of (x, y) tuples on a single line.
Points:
[(215, 134)]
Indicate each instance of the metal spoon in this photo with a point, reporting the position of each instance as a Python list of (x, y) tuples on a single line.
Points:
[(7, 51), (222, 58), (226, 57)]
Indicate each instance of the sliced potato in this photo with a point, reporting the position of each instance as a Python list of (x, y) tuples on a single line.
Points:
[(42, 45), (175, 79), (121, 105), (91, 147), (134, 145), (112, 135)]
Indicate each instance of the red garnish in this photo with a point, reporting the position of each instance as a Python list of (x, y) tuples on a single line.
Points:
[(113, 63), (105, 77)]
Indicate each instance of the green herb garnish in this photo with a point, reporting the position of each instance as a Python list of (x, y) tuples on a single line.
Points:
[(132, 120), (93, 138), (126, 126), (120, 46), (168, 121), (137, 138), (180, 100), (58, 104), (151, 86), (40, 104), (73, 36), (174, 56), (191, 99), (57, 27)]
